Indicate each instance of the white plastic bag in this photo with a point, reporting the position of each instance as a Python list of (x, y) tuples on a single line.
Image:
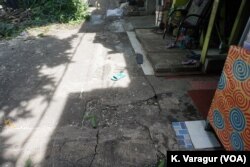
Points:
[(114, 12)]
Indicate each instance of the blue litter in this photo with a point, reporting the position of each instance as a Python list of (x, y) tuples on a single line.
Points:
[(118, 76)]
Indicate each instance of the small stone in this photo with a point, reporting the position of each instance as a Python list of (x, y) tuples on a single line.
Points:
[(175, 101)]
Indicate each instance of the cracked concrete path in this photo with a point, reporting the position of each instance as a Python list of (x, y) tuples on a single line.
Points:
[(49, 86)]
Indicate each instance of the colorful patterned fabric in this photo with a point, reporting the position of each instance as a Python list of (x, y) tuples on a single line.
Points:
[(229, 114)]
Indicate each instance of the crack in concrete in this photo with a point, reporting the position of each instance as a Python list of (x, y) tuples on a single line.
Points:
[(159, 154), (132, 103), (96, 146), (155, 101), (155, 94), (62, 145), (148, 130), (154, 98)]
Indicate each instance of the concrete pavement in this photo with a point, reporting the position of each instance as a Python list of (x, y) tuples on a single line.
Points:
[(50, 85)]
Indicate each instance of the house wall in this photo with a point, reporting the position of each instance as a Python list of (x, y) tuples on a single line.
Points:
[(150, 6)]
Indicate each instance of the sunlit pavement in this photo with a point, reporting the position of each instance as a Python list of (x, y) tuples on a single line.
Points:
[(50, 85)]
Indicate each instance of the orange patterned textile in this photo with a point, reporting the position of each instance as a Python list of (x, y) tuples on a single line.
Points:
[(229, 114)]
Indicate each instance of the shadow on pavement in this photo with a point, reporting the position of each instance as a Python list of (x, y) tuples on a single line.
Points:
[(28, 70), (133, 122)]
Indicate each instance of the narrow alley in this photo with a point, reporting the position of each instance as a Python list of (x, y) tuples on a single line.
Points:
[(64, 109)]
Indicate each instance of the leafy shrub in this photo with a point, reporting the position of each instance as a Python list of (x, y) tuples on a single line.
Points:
[(62, 11), (44, 12), (7, 29)]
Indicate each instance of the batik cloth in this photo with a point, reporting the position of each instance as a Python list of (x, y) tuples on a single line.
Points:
[(229, 114)]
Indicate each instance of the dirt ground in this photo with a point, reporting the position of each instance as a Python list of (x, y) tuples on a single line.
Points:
[(59, 106)]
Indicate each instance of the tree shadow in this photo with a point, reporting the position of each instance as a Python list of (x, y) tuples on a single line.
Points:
[(28, 72), (132, 129)]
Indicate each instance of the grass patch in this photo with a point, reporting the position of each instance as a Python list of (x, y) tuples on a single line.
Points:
[(162, 163), (92, 120), (28, 163)]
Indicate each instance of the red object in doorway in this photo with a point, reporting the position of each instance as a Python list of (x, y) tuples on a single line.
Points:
[(202, 99)]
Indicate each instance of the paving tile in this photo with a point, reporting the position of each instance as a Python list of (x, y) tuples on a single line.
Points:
[(183, 125), (181, 142), (183, 132), (176, 123), (182, 135)]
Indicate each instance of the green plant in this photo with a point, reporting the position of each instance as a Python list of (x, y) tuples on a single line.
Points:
[(7, 29), (62, 11), (92, 120), (161, 163), (28, 163), (43, 12)]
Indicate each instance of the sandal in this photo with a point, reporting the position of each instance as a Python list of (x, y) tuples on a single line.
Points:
[(189, 62), (170, 45), (118, 76), (194, 56)]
